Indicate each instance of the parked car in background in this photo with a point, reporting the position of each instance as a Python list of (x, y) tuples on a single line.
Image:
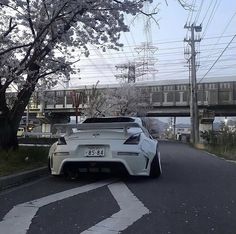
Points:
[(20, 132), (111, 144)]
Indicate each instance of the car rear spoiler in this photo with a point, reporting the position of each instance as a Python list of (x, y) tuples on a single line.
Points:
[(93, 126)]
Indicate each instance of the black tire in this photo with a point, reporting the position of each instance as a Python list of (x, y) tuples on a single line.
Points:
[(155, 170), (49, 166)]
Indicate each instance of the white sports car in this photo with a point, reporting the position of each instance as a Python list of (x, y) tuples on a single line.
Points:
[(106, 145)]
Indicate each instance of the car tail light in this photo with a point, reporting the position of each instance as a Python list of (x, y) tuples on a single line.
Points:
[(133, 140), (61, 141)]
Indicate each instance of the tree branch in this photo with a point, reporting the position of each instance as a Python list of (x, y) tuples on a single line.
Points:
[(10, 28), (38, 56), (37, 39), (14, 48), (48, 73), (29, 19)]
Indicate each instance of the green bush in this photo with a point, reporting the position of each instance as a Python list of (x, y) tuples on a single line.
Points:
[(22, 159), (222, 143), (221, 151)]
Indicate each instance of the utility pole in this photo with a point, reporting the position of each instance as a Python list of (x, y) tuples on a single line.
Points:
[(194, 100)]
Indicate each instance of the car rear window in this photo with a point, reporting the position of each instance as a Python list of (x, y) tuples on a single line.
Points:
[(109, 120)]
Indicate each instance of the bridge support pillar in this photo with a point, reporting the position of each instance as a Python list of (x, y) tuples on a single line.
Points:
[(206, 119), (48, 120), (46, 128)]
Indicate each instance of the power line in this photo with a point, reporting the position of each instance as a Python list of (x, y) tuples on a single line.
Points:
[(199, 12), (160, 43), (204, 17), (190, 12), (192, 9), (174, 69), (212, 14), (221, 35), (163, 57), (218, 58)]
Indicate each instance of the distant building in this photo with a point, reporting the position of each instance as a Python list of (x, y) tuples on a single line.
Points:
[(231, 125), (183, 134)]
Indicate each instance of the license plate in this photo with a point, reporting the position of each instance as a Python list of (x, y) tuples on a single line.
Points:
[(95, 152)]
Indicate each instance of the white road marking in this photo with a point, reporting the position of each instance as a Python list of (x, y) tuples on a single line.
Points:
[(131, 210), (18, 219)]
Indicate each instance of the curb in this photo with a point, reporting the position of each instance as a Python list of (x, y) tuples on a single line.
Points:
[(232, 161), (22, 177), (221, 158)]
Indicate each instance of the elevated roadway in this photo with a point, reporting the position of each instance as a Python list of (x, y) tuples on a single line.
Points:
[(167, 98)]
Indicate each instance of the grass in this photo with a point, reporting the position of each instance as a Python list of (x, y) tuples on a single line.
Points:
[(25, 158)]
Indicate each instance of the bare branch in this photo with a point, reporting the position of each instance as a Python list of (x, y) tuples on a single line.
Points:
[(14, 48), (10, 28), (185, 5)]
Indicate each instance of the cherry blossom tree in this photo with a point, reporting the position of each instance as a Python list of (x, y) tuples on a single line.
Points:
[(128, 100), (96, 105), (35, 36), (124, 100)]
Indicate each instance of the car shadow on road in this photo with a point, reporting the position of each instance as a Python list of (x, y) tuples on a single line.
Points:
[(93, 177)]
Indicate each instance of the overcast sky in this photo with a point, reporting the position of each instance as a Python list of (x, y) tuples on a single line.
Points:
[(218, 19)]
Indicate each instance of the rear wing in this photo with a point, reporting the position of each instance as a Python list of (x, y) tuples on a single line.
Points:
[(68, 128)]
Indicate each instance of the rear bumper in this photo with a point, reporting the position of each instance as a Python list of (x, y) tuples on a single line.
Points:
[(83, 164), (111, 167)]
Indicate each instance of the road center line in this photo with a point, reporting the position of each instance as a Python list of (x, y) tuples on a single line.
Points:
[(131, 210), (19, 218)]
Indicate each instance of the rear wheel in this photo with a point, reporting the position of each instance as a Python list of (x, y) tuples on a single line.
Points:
[(49, 166), (155, 170)]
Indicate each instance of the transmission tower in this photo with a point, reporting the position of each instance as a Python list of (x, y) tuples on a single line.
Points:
[(146, 52), (128, 71), (143, 67)]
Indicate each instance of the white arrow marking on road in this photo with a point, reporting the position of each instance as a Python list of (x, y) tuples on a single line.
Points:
[(18, 219), (131, 210)]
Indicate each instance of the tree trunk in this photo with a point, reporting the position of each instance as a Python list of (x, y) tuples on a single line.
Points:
[(10, 118), (8, 133)]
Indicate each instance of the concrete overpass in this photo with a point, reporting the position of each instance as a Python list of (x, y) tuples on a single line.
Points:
[(167, 98)]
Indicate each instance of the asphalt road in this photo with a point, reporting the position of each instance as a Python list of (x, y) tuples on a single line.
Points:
[(195, 194)]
